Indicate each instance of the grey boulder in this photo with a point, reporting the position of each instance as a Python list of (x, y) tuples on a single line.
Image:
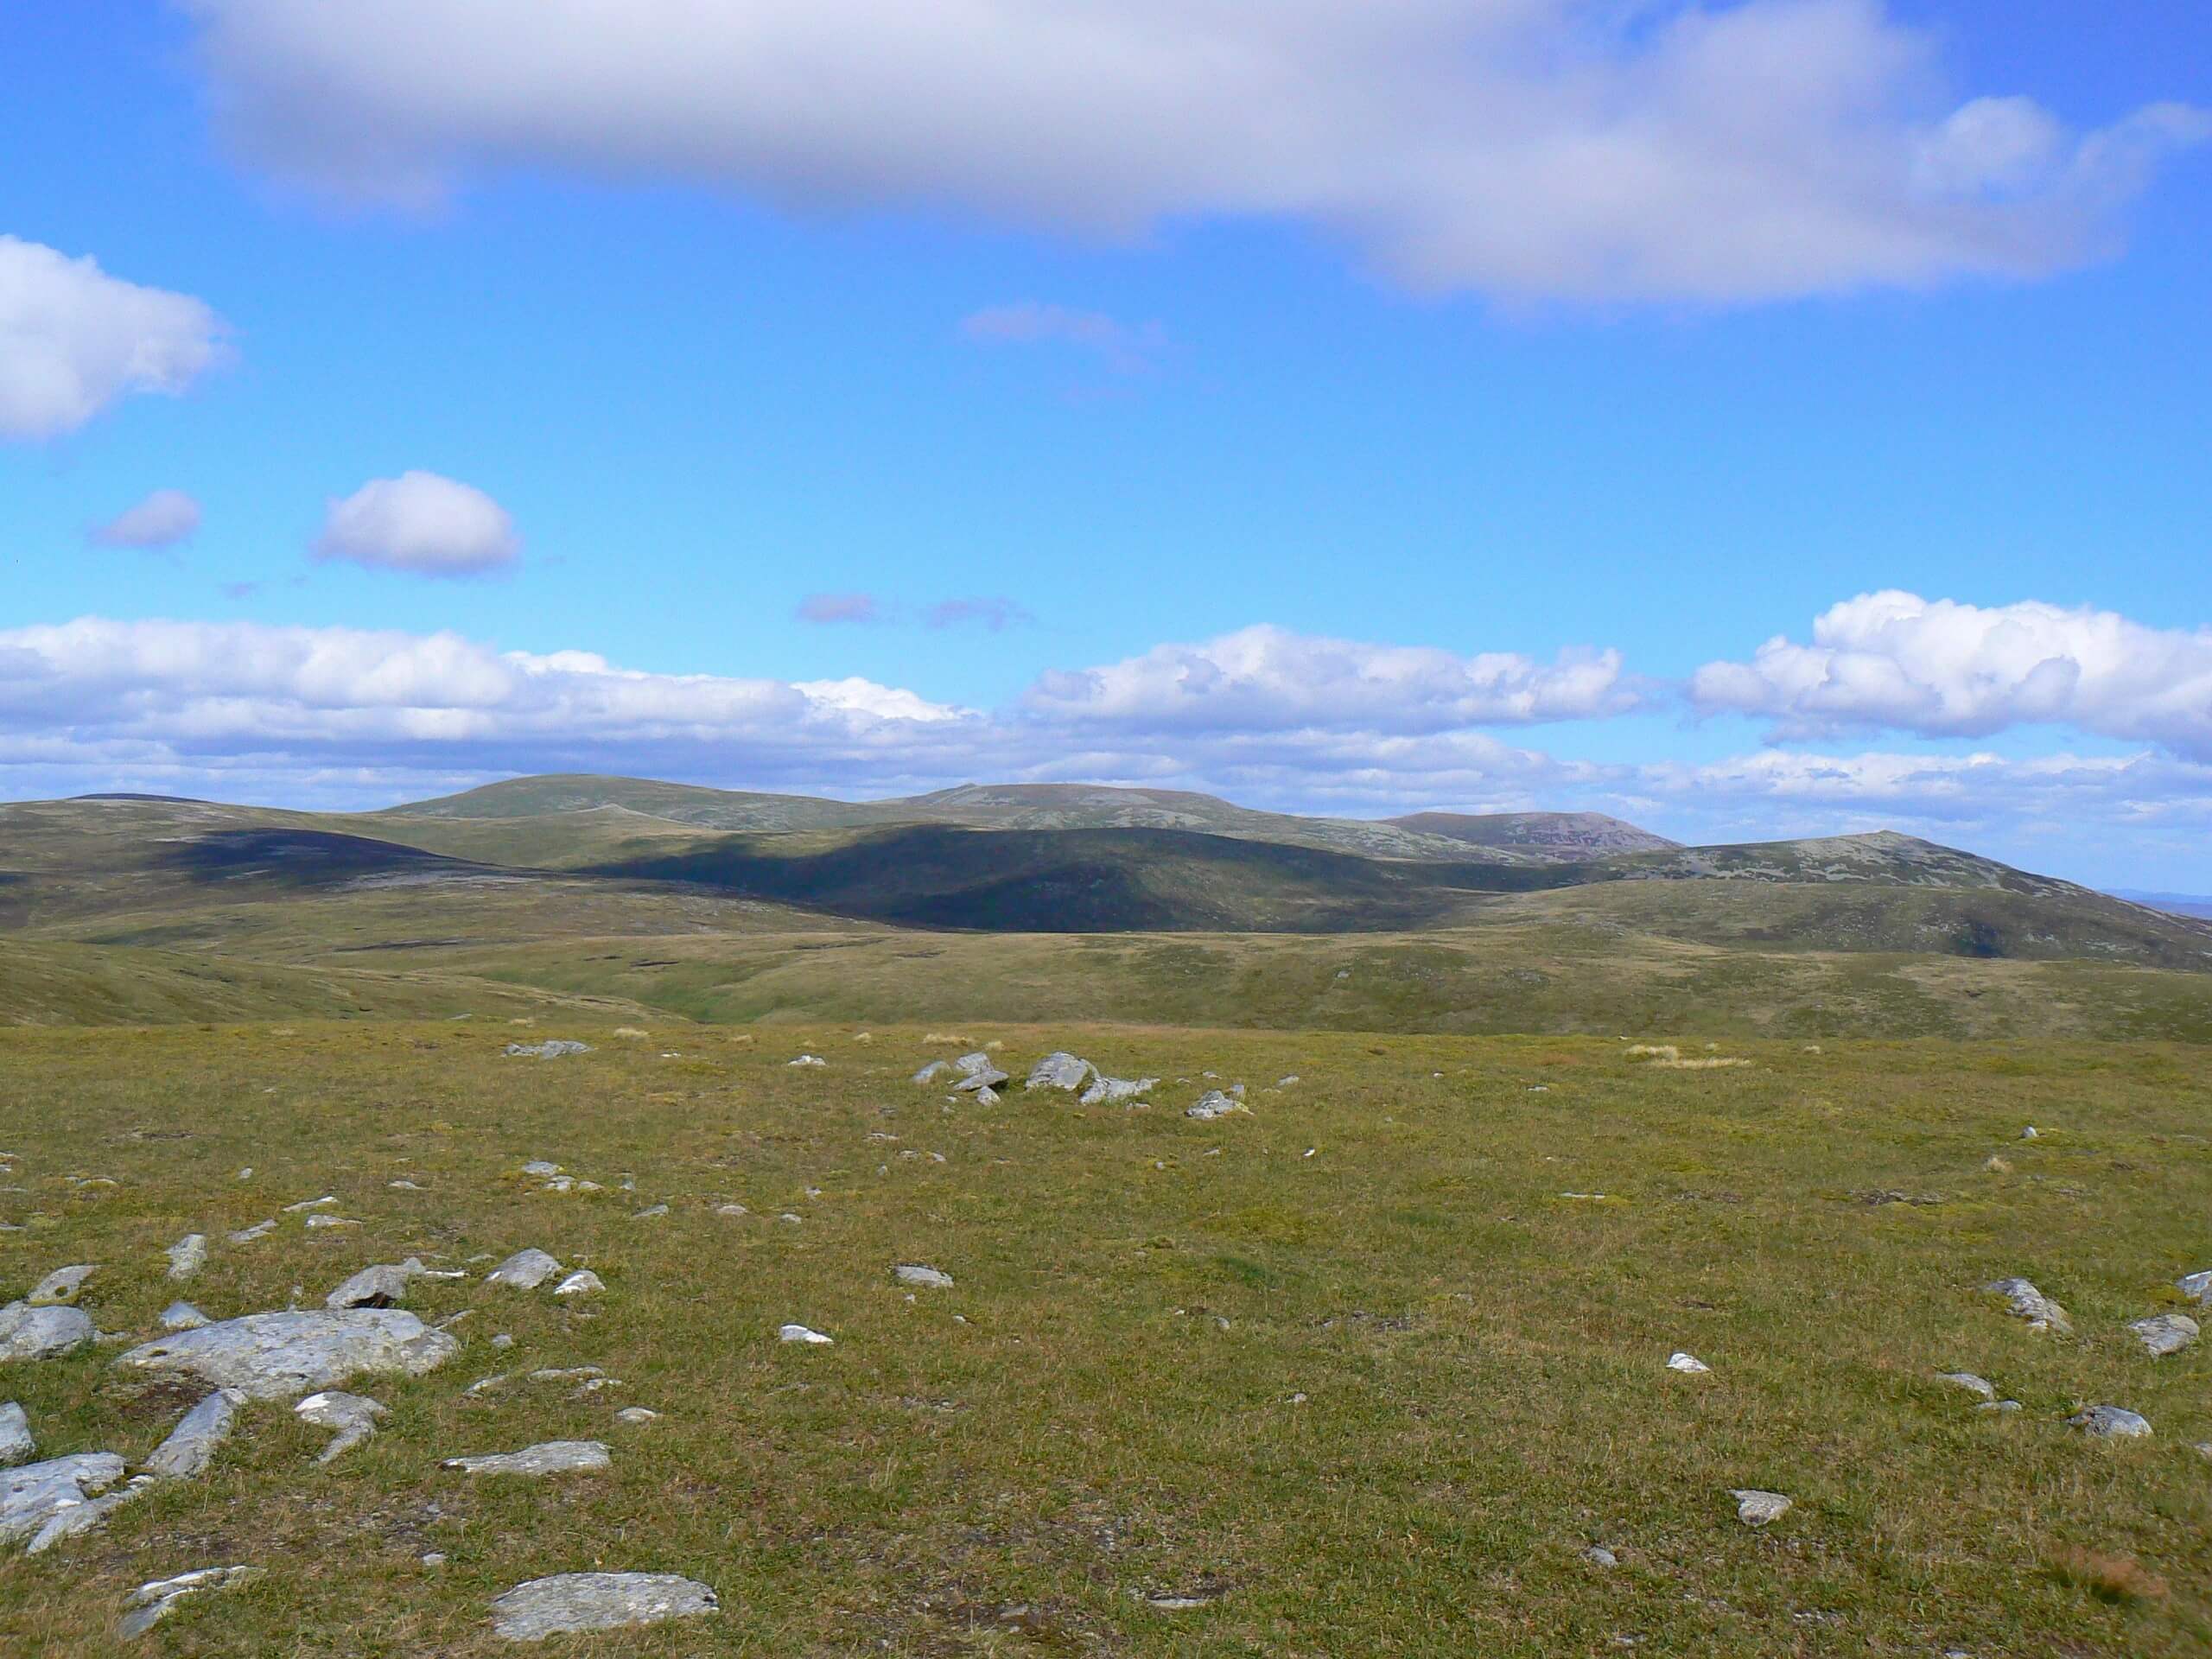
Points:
[(523, 1270), (571, 1602), (382, 1285), (191, 1445), (275, 1355), (2197, 1287), (61, 1285), (977, 1083), (1980, 1386), (187, 1255), (1757, 1508), (2025, 1302), (552, 1049), (1212, 1104), (352, 1416), (2109, 1423), (183, 1316), (551, 1458), (33, 1498), (933, 1071), (908, 1273), (1105, 1090), (2165, 1334), (1059, 1069), (16, 1441), (28, 1332)]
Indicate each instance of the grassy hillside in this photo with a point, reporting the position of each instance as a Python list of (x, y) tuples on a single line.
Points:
[(1356, 1373)]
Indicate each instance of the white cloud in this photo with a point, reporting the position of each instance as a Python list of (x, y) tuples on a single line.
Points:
[(351, 716), (1941, 668), (74, 340), (1125, 348), (420, 522), (162, 520), (1529, 148), (1267, 679)]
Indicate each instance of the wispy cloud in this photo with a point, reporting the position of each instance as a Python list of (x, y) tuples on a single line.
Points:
[(1122, 348), (162, 520), (830, 609), (995, 614)]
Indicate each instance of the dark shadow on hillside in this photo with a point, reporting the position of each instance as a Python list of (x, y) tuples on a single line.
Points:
[(304, 858)]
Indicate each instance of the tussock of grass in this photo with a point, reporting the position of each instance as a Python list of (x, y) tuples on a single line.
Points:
[(2120, 1580)]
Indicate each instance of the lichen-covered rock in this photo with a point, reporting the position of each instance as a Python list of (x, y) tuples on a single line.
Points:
[(275, 1355), (2025, 1302), (523, 1270), (2109, 1423), (908, 1273), (352, 1416), (61, 1285), (1105, 1090), (1212, 1104), (187, 1255), (149, 1604), (16, 1441), (89, 1517), (551, 1458), (1059, 1069), (28, 1332), (183, 1316), (2165, 1334), (2197, 1287), (551, 1049), (32, 1496), (583, 1282), (1757, 1508), (191, 1445), (570, 1602)]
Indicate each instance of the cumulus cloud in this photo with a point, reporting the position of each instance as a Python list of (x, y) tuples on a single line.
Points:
[(825, 609), (1660, 150), (1940, 668), (422, 522), (162, 520), (1267, 678), (74, 340), (1122, 347)]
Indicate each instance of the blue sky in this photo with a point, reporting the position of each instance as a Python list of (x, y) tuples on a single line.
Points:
[(939, 346)]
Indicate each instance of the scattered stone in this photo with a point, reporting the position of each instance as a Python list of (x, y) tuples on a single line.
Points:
[(552, 1458), (650, 1212), (2026, 1302), (61, 1285), (1105, 1090), (2029, 1134), (2002, 1406), (2197, 1287), (1980, 1386), (930, 1278), (353, 1416), (2165, 1334), (16, 1441), (933, 1071), (571, 1602), (1212, 1104), (383, 1286), (732, 1210), (969, 1065), (259, 1229), (565, 1374), (182, 1316), (800, 1333), (149, 1604), (28, 1332), (1996, 1166), (634, 1415), (788, 1216), (33, 1497), (435, 1558), (540, 1168), (551, 1049), (523, 1270), (323, 1203), (1059, 1069), (1757, 1508), (405, 1187), (980, 1083), (2109, 1422), (332, 1221), (270, 1356), (1690, 1364), (187, 1255), (1286, 1082), (808, 1059), (75, 1519), (191, 1445), (503, 1341), (984, 1096), (1598, 1555)]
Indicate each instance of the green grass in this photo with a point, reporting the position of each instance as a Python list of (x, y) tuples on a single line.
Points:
[(1481, 1360)]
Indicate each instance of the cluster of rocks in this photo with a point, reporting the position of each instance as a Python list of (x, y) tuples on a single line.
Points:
[(553, 1048)]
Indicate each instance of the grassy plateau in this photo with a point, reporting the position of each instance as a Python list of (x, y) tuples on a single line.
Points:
[(1355, 1373)]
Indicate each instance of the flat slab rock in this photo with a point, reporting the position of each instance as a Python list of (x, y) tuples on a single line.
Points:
[(1980, 1386), (149, 1604), (551, 1458), (523, 1270), (28, 1332), (552, 1049), (16, 1441), (914, 1273), (192, 1444), (570, 1602), (1059, 1069), (33, 1497), (351, 1417), (61, 1285), (1757, 1508), (2024, 1301), (2165, 1334), (279, 1356)]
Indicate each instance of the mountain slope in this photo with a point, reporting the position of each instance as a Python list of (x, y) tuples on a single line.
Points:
[(1563, 837)]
